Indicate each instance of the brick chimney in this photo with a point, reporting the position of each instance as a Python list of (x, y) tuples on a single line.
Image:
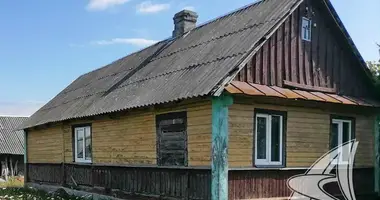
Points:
[(184, 21)]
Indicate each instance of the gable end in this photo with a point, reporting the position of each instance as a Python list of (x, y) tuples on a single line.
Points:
[(327, 63)]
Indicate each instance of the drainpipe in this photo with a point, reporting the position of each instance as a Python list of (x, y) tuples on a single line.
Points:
[(219, 164)]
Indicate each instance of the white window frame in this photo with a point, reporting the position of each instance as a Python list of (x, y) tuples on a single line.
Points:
[(84, 129), (267, 161), (307, 20), (340, 136)]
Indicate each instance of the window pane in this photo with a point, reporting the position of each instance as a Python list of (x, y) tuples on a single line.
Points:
[(275, 139), (80, 134), (334, 135), (261, 136), (88, 151), (306, 29), (346, 132), (346, 138)]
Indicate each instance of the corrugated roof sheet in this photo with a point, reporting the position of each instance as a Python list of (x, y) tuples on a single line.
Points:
[(238, 87), (11, 140), (173, 69)]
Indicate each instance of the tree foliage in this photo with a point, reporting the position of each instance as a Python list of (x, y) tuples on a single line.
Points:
[(374, 67)]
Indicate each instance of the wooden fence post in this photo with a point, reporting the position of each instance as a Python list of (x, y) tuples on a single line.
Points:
[(219, 168)]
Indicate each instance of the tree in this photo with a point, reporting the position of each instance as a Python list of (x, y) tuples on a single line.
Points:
[(374, 67)]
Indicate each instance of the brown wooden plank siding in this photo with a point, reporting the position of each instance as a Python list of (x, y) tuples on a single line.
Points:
[(326, 61), (126, 139), (307, 135), (126, 182), (271, 184)]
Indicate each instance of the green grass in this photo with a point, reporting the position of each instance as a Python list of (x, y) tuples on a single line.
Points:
[(14, 182), (33, 194)]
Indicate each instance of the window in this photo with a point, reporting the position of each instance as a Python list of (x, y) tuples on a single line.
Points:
[(269, 131), (171, 139), (82, 144), (342, 131), (306, 29)]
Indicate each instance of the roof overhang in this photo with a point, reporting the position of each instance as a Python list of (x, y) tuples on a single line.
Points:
[(250, 89)]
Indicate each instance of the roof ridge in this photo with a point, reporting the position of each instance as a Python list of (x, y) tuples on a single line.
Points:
[(133, 53), (226, 15), (221, 51), (171, 38), (182, 49), (12, 116), (215, 38)]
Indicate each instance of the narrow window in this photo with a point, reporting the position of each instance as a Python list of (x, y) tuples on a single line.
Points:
[(306, 29), (83, 146), (342, 131), (269, 134), (171, 139)]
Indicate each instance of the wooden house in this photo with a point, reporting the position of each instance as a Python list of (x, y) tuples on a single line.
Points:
[(229, 109), (11, 146)]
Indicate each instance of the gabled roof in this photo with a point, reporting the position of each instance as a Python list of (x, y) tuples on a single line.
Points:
[(11, 140), (193, 65)]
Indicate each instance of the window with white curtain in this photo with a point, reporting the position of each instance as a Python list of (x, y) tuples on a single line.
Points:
[(83, 145), (269, 134)]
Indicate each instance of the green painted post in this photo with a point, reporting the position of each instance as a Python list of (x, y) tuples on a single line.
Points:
[(219, 168), (377, 154)]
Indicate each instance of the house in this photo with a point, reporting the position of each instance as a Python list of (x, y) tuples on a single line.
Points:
[(11, 146), (228, 109)]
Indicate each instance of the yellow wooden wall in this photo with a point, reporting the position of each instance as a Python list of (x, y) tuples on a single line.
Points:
[(307, 136), (131, 138), (127, 139), (45, 145)]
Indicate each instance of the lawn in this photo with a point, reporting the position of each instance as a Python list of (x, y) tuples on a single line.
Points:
[(16, 182), (13, 189), (33, 194)]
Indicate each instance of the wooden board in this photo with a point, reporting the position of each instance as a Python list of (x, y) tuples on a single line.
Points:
[(129, 138), (307, 135), (325, 62), (45, 146)]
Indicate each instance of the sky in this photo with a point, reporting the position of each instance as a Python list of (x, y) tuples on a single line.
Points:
[(45, 44)]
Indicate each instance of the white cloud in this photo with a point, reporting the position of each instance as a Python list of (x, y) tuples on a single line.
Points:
[(149, 7), (97, 5), (140, 42), (192, 8), (26, 108)]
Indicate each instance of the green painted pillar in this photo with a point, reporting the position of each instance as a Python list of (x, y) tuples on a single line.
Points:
[(219, 168), (377, 154)]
